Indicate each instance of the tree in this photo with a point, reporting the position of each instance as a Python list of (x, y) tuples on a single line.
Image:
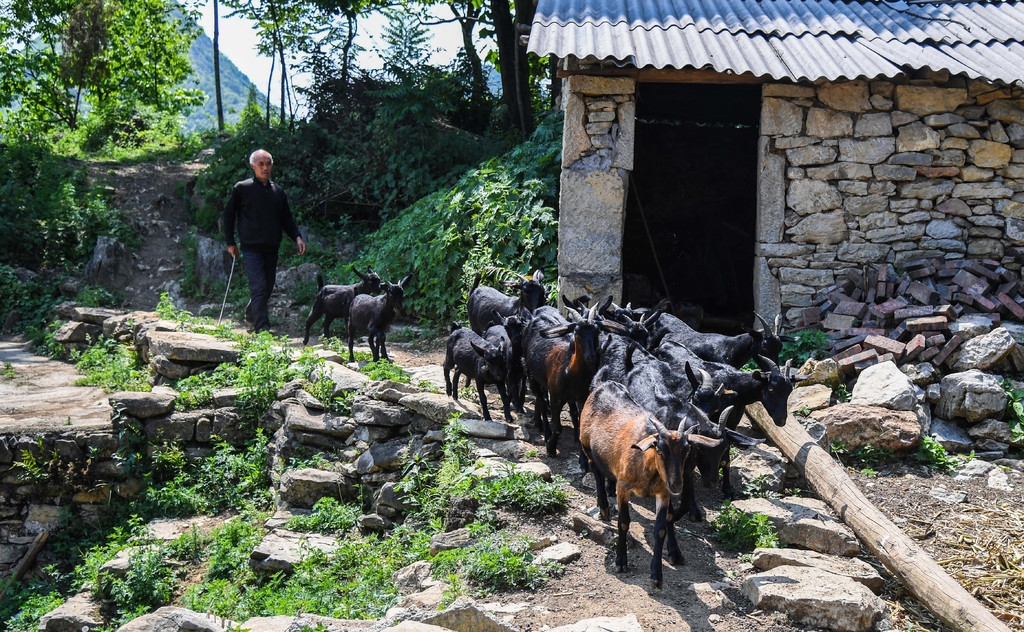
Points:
[(216, 66), (117, 55)]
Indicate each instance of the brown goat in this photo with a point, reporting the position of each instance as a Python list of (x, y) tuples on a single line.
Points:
[(627, 444)]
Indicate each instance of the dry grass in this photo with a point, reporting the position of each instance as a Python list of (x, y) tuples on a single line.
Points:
[(986, 555)]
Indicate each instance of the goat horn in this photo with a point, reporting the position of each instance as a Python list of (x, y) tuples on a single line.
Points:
[(765, 323), (722, 419), (778, 324), (576, 316)]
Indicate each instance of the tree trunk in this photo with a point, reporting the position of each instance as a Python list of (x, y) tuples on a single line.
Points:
[(216, 67), (505, 36), (925, 579)]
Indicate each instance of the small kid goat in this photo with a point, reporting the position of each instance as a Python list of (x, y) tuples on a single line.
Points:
[(481, 360), (374, 315), (334, 301)]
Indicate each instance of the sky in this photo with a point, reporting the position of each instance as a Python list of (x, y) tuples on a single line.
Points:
[(238, 42)]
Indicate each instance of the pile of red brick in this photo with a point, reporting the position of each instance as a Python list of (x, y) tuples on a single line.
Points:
[(873, 318)]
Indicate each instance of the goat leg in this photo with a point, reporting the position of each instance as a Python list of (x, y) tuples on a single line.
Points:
[(483, 399), (689, 496), (623, 535), (604, 511), (660, 530), (505, 402), (675, 554)]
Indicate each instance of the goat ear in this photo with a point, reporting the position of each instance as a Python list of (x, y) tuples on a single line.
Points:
[(558, 330), (648, 442), (402, 283), (498, 318), (701, 440), (602, 307), (477, 348)]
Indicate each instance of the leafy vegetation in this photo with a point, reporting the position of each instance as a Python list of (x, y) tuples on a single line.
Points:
[(740, 531), (328, 516), (113, 366), (1014, 409), (810, 343), (932, 454)]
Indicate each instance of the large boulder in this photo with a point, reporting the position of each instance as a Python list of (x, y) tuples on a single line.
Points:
[(857, 426), (884, 385), (110, 266), (212, 263), (970, 395)]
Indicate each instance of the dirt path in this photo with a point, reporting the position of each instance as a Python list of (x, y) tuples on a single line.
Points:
[(38, 393)]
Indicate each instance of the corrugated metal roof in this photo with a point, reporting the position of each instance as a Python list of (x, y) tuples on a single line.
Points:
[(789, 39)]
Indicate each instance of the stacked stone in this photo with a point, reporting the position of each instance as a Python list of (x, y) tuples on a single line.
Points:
[(862, 172), (597, 156)]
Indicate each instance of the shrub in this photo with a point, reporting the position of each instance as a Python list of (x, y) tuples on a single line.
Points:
[(810, 343), (328, 516), (113, 366), (498, 218), (740, 531)]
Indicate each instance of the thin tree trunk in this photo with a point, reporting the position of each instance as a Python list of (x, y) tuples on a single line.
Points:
[(270, 84), (505, 36), (216, 67), (925, 579)]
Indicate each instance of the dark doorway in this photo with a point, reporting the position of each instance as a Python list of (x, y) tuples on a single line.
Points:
[(693, 201)]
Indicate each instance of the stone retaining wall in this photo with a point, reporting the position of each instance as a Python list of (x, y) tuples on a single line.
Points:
[(51, 477)]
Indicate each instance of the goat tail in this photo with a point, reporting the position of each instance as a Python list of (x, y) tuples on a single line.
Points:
[(455, 326), (319, 281), (476, 281)]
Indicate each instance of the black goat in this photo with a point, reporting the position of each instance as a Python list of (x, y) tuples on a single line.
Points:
[(483, 301), (374, 315), (561, 359), (713, 347), (479, 359), (625, 443), (334, 301), (510, 329), (734, 390)]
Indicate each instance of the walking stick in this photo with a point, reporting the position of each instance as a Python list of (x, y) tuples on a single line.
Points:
[(225, 301)]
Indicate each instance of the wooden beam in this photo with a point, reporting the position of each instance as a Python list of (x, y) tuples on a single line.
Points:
[(925, 579), (26, 561)]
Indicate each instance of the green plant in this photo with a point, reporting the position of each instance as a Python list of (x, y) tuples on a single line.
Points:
[(525, 491), (386, 370), (841, 393), (113, 366), (740, 531), (809, 343), (93, 296), (328, 516), (147, 584), (1014, 409), (933, 454), (760, 487), (8, 372), (495, 563), (867, 472)]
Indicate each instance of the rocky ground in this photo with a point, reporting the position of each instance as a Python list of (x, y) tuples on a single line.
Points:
[(977, 535)]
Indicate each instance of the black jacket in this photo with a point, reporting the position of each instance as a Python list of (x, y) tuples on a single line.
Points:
[(261, 213)]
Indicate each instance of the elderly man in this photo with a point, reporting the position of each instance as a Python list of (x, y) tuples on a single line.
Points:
[(259, 208)]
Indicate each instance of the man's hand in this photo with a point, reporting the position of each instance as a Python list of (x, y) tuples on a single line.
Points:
[(233, 251), (301, 244)]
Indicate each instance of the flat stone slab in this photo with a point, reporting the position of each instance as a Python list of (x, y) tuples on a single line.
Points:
[(817, 598), (281, 550), (856, 569), (42, 396), (804, 522), (185, 346)]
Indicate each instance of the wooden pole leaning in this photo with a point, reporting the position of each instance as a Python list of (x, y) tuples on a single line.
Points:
[(915, 569)]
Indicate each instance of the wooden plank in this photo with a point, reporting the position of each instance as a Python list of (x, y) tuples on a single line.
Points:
[(933, 587)]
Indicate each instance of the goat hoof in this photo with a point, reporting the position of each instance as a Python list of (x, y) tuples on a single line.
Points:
[(656, 584), (676, 559), (552, 451), (622, 568)]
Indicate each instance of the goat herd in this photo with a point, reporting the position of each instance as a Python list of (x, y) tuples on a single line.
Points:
[(650, 398)]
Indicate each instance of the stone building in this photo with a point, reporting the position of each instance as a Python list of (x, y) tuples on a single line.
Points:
[(743, 155)]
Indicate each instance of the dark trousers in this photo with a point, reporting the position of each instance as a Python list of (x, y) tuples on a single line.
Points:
[(261, 268)]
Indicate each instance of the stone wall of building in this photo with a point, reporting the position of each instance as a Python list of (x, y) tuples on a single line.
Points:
[(863, 173), (597, 156)]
